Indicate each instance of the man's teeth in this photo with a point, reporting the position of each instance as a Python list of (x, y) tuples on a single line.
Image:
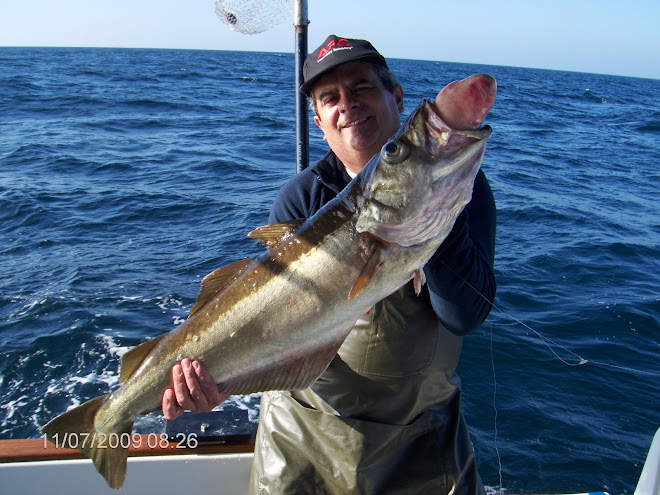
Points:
[(356, 122)]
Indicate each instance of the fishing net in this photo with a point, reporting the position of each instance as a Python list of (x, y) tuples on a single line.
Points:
[(253, 16)]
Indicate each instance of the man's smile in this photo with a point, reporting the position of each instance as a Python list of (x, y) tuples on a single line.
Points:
[(355, 122)]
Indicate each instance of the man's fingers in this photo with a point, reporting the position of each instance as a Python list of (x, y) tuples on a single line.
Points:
[(193, 388), (194, 394), (181, 388), (171, 408), (209, 388)]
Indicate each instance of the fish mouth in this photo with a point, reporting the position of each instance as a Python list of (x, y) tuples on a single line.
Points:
[(455, 151), (442, 140)]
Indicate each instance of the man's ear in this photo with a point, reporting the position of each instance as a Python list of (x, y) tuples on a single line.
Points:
[(398, 94), (317, 121)]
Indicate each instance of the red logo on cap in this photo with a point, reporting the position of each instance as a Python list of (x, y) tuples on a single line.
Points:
[(343, 42)]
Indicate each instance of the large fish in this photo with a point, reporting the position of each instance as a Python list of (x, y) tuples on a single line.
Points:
[(276, 321)]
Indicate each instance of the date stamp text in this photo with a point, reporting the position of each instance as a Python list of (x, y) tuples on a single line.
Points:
[(81, 441)]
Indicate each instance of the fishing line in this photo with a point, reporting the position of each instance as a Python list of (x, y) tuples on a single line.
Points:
[(497, 450), (546, 341), (579, 359)]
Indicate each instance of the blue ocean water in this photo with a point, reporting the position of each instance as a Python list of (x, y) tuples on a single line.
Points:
[(127, 175)]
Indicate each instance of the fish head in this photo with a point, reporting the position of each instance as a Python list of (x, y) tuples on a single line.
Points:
[(414, 190)]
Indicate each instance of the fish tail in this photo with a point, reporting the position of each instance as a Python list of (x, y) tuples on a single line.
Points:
[(76, 429)]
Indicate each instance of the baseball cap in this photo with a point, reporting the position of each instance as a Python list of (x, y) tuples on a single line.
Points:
[(333, 52)]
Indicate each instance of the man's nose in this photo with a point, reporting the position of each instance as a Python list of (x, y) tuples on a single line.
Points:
[(348, 101)]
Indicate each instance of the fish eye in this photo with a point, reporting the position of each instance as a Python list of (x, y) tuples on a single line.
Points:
[(395, 151)]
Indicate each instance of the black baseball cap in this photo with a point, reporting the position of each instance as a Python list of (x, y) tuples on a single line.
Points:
[(333, 52)]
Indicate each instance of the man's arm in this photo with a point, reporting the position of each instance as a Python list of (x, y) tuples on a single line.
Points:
[(460, 274)]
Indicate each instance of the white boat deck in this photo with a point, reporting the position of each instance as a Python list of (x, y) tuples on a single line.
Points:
[(222, 474)]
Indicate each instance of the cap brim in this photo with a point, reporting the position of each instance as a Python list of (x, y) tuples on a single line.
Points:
[(306, 87)]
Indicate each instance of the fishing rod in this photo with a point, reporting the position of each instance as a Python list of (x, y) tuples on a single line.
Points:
[(300, 23), (256, 16)]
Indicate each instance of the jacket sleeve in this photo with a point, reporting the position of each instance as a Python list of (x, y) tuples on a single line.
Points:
[(460, 274), (296, 200)]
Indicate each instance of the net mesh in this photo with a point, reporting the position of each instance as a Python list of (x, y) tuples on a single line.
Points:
[(253, 16)]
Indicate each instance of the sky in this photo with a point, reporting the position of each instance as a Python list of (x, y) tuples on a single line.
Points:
[(597, 36)]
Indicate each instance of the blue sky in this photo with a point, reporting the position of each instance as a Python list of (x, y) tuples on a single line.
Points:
[(608, 37)]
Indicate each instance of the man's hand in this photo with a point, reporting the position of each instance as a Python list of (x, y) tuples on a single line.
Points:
[(193, 389)]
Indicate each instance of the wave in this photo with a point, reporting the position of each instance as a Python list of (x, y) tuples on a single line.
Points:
[(651, 127)]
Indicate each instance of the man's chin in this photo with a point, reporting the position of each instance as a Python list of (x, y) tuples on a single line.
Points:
[(365, 142)]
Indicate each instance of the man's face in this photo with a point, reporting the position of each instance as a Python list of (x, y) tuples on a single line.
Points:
[(356, 113)]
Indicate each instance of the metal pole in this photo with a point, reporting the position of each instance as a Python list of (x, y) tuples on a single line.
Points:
[(302, 119)]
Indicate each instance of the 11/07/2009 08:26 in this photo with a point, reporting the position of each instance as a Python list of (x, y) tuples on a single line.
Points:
[(125, 440)]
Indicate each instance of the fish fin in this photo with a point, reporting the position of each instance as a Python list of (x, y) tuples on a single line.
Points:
[(132, 360), (271, 235), (419, 279), (291, 372), (366, 275), (76, 429), (217, 280)]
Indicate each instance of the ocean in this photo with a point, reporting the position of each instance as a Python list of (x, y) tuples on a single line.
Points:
[(126, 175)]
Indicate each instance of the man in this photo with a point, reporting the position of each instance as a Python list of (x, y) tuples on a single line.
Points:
[(385, 416)]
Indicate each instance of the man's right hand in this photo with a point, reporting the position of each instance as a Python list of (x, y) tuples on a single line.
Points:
[(192, 389)]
